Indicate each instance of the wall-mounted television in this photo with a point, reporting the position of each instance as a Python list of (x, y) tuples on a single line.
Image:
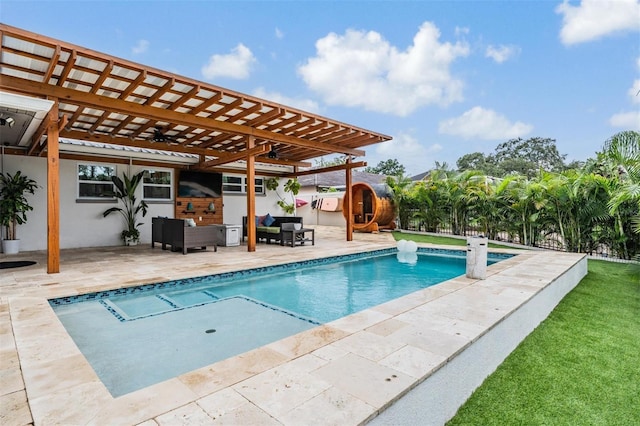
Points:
[(199, 184)]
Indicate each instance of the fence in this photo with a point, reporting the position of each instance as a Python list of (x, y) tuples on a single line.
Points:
[(548, 242)]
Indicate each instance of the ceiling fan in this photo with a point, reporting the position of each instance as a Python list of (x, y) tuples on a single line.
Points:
[(160, 136)]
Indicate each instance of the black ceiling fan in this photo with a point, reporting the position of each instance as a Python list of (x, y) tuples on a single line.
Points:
[(160, 136)]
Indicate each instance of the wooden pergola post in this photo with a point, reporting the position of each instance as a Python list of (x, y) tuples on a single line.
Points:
[(53, 192), (251, 195), (347, 201)]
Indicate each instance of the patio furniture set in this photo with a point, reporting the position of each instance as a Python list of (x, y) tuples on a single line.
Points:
[(287, 230), (180, 235)]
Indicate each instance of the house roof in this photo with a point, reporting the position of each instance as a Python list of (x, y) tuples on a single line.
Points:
[(420, 176), (336, 179), (114, 101)]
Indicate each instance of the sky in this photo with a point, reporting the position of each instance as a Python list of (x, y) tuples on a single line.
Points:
[(443, 78)]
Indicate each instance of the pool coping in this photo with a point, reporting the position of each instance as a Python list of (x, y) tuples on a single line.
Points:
[(305, 371), (248, 273)]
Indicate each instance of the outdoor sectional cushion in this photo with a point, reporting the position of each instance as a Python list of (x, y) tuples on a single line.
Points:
[(268, 220), (268, 229)]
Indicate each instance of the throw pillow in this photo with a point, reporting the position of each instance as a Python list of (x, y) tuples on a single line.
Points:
[(191, 222), (268, 220)]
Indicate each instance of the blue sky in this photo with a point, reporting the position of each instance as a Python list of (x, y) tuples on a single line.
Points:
[(443, 78)]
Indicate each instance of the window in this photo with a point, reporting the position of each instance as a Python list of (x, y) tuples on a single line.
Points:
[(238, 185), (94, 181), (157, 185)]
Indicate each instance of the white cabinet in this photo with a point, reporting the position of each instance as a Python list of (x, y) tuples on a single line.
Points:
[(228, 235)]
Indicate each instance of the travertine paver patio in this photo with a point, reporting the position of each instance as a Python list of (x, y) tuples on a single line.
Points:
[(341, 373)]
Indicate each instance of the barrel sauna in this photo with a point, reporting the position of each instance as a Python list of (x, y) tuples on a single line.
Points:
[(373, 207)]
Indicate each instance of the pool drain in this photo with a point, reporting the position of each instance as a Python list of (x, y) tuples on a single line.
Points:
[(211, 330)]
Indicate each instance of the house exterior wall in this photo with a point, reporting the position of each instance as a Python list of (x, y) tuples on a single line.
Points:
[(82, 223), (313, 216)]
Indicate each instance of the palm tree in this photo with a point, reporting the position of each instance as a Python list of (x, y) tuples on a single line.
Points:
[(400, 187), (461, 198), (428, 199), (619, 163)]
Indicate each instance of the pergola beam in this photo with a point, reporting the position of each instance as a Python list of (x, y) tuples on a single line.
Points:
[(105, 103), (119, 140), (346, 166), (242, 155)]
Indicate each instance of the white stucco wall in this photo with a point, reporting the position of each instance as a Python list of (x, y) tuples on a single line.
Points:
[(313, 216), (235, 205), (36, 227), (82, 223)]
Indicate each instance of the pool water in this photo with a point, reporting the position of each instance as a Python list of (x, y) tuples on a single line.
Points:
[(135, 340)]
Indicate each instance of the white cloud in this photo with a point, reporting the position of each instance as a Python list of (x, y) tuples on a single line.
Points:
[(593, 19), (461, 31), (141, 47), (303, 104), (236, 64), (279, 33), (409, 152), (484, 124), (501, 53), (361, 69), (626, 120)]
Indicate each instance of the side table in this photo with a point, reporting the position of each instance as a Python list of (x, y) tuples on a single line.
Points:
[(297, 236)]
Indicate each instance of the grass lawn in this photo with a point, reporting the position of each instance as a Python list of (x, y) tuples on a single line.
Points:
[(432, 239), (581, 366)]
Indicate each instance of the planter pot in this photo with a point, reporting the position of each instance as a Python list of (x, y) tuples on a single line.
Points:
[(10, 246), (130, 242)]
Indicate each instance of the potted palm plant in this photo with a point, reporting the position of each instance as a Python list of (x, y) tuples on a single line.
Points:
[(14, 207), (125, 192)]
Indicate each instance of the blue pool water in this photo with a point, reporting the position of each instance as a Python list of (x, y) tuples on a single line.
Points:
[(140, 336)]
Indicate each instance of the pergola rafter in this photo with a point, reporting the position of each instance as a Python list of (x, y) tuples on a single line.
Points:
[(102, 98)]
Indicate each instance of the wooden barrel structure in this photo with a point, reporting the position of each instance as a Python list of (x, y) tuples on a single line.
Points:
[(373, 207)]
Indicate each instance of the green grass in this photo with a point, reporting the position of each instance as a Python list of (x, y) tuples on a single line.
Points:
[(431, 239), (581, 366)]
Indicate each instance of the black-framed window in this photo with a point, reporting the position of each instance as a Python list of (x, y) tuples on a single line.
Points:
[(238, 185), (157, 185), (94, 181)]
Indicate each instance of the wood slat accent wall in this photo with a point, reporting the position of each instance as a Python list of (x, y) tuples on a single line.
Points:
[(200, 212)]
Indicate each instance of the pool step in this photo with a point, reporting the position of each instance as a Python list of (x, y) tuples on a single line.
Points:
[(145, 306)]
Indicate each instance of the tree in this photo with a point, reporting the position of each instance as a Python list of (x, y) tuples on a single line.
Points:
[(336, 161), (517, 156), (402, 200), (527, 157), (620, 161), (429, 199), (389, 167), (475, 161), (459, 190)]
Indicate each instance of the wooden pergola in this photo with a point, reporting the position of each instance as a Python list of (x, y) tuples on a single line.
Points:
[(101, 98)]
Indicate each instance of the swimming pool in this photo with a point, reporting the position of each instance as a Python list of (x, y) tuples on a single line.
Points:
[(138, 336)]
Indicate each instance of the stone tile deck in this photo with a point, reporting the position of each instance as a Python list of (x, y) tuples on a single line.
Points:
[(342, 373)]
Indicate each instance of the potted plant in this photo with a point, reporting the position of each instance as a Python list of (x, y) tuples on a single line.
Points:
[(14, 207), (125, 192)]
